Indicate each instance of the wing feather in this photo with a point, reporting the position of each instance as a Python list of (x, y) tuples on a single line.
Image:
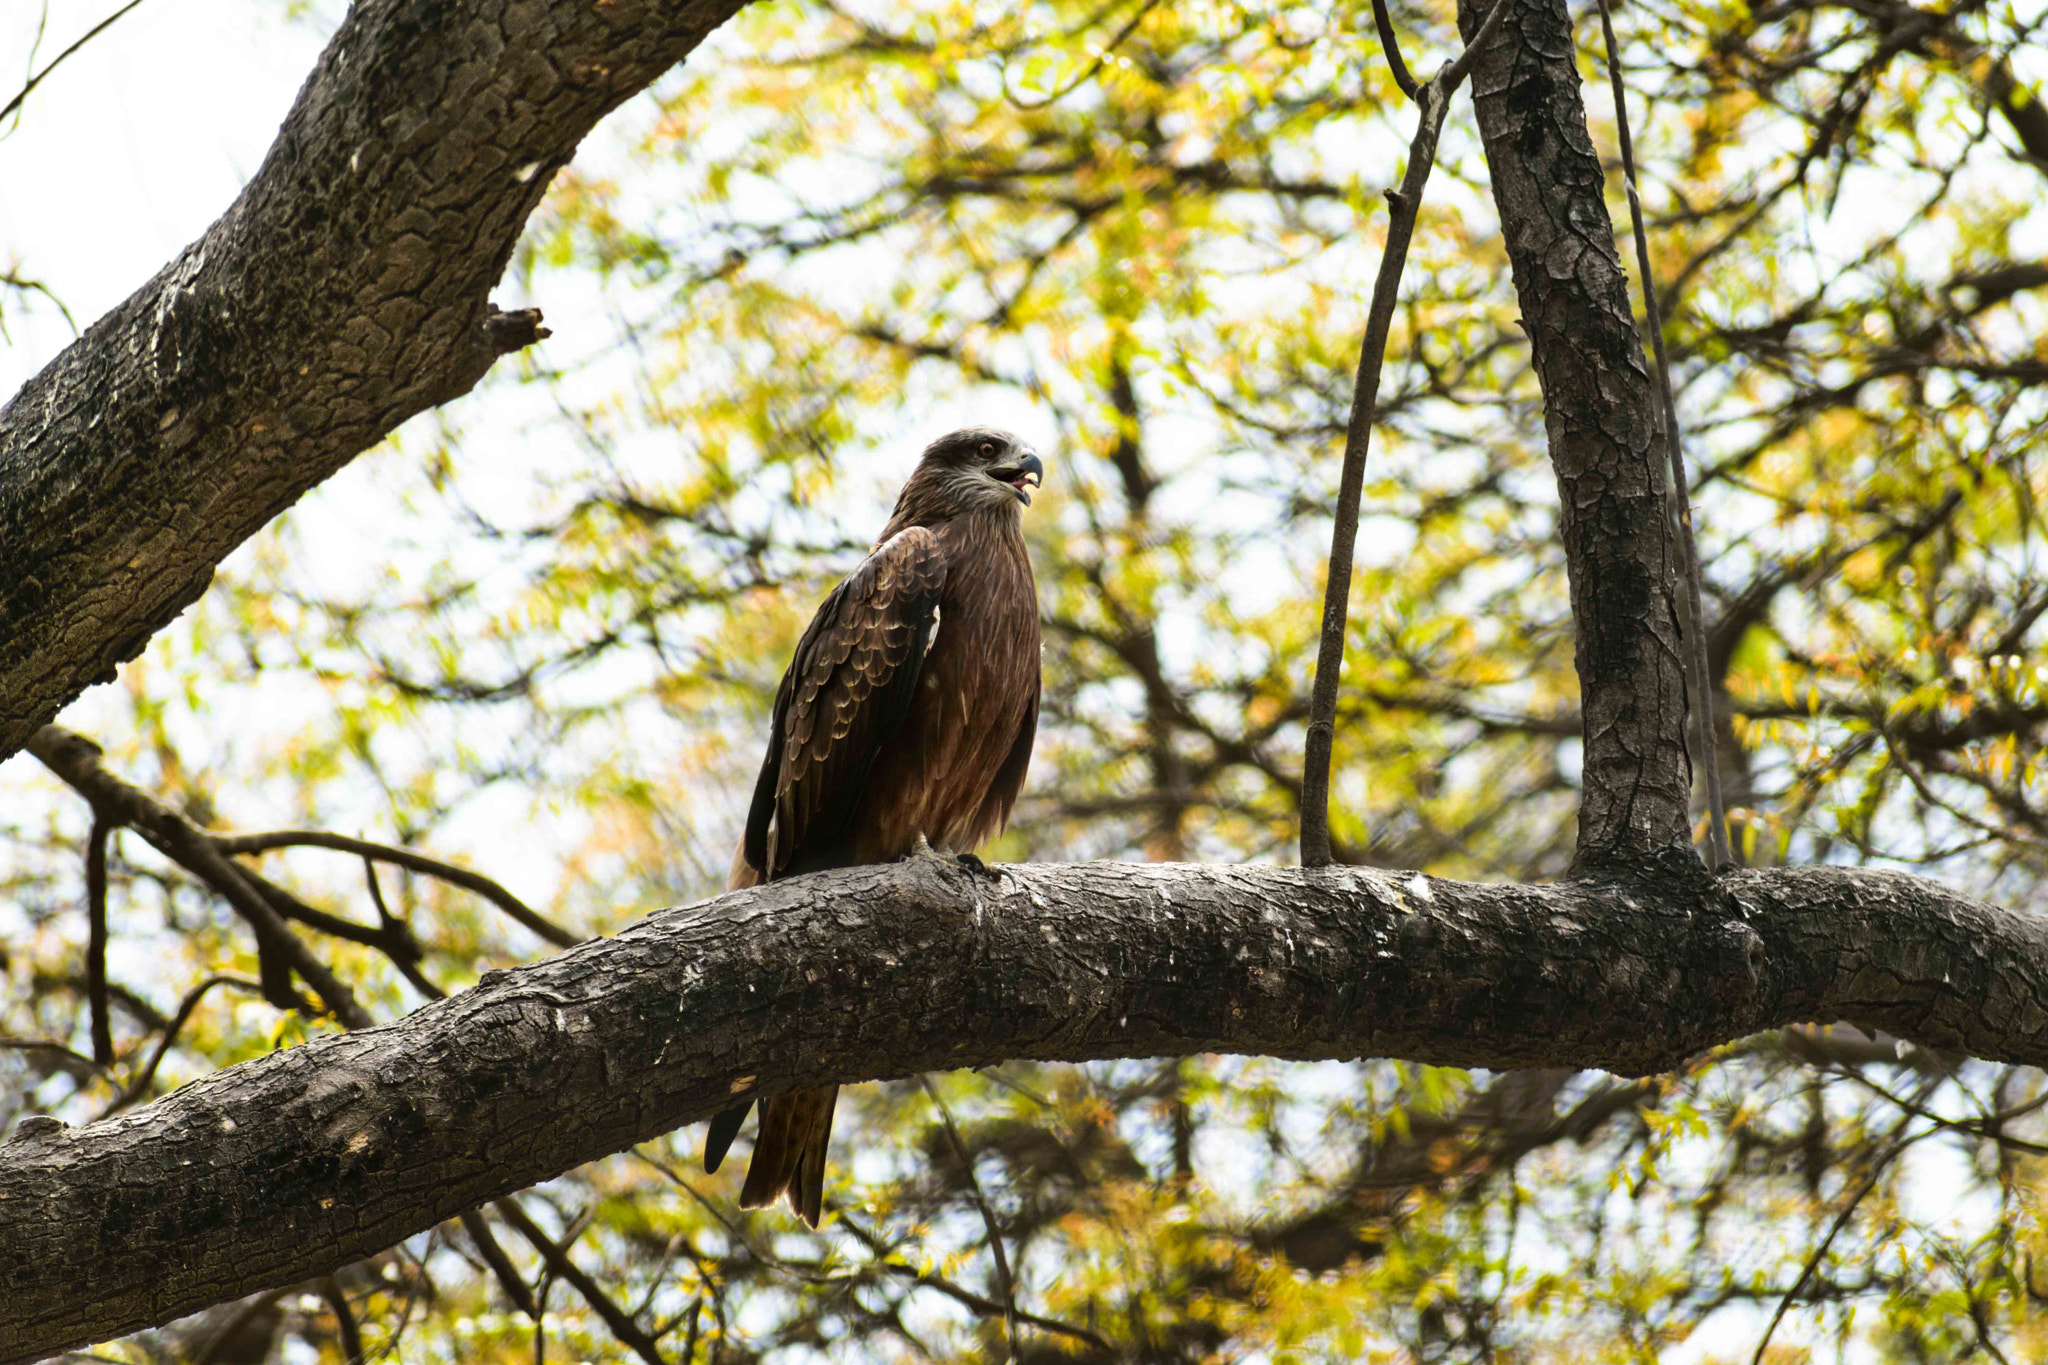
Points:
[(1009, 779), (846, 692)]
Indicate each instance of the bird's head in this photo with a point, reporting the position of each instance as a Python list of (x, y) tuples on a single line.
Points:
[(980, 468)]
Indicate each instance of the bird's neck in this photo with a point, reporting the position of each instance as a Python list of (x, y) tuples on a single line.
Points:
[(979, 526)]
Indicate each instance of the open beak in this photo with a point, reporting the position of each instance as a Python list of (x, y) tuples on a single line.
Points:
[(1028, 473)]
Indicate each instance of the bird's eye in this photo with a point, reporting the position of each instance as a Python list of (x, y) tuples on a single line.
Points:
[(988, 450)]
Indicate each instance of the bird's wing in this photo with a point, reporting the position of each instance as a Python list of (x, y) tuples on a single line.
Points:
[(1009, 779), (845, 695)]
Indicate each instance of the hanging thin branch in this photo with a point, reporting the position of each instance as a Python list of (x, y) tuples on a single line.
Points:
[(1696, 626), (1004, 1283), (1434, 97), (96, 938)]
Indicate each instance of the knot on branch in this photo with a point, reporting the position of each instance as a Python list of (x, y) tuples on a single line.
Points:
[(514, 331), (38, 1128), (496, 334), (1743, 953)]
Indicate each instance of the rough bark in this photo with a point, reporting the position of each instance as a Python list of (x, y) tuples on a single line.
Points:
[(1600, 406), (279, 1169), (345, 290)]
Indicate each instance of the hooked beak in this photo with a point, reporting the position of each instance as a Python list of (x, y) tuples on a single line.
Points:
[(1023, 476)]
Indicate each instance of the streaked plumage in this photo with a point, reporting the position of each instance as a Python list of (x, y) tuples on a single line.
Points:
[(908, 711)]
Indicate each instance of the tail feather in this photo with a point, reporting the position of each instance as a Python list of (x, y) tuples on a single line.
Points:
[(723, 1129), (789, 1152)]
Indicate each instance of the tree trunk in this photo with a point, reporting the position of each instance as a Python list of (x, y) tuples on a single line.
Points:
[(1599, 404)]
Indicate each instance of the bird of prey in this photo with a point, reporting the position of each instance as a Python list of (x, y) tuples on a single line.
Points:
[(905, 720)]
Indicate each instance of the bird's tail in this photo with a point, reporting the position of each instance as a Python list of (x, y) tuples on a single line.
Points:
[(789, 1152)]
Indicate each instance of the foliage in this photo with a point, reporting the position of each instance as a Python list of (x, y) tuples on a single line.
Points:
[(540, 637)]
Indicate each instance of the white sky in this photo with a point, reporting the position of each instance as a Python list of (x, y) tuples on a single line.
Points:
[(130, 148)]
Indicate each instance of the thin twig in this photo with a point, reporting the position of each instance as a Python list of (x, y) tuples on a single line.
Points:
[(1405, 202), (58, 60), (96, 939), (408, 859), (1454, 75), (1101, 58), (1841, 1220), (408, 967), (988, 1217), (1653, 320), (558, 1261), (176, 1025), (966, 1298), (77, 1059), (1391, 45), (509, 1279)]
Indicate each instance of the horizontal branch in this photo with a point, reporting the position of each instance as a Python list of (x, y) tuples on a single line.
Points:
[(276, 1170)]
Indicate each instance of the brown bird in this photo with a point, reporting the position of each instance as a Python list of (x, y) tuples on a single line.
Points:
[(904, 725)]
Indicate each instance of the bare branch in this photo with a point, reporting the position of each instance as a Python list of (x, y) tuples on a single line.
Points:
[(211, 399), (1390, 43), (76, 759), (1004, 1285), (96, 939), (564, 1267), (412, 861), (509, 1279), (176, 1025), (1406, 203), (884, 971), (29, 86)]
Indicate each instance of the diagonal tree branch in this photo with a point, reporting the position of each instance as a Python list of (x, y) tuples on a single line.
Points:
[(76, 759), (344, 290), (280, 1169)]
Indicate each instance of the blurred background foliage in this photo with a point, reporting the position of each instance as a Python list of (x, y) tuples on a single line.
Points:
[(536, 635)]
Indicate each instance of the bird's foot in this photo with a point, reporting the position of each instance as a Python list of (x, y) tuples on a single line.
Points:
[(922, 851)]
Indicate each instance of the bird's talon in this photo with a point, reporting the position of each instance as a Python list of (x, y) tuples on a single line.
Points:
[(975, 865)]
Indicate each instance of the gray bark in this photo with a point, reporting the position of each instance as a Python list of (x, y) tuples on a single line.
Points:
[(279, 1169), (345, 290), (1599, 405)]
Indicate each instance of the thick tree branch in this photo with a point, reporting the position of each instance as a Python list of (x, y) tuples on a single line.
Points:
[(282, 1168), (345, 290)]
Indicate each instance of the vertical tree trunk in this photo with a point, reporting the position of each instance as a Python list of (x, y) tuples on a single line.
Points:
[(1600, 403)]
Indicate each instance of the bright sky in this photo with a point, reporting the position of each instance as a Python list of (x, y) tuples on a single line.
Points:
[(126, 151)]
